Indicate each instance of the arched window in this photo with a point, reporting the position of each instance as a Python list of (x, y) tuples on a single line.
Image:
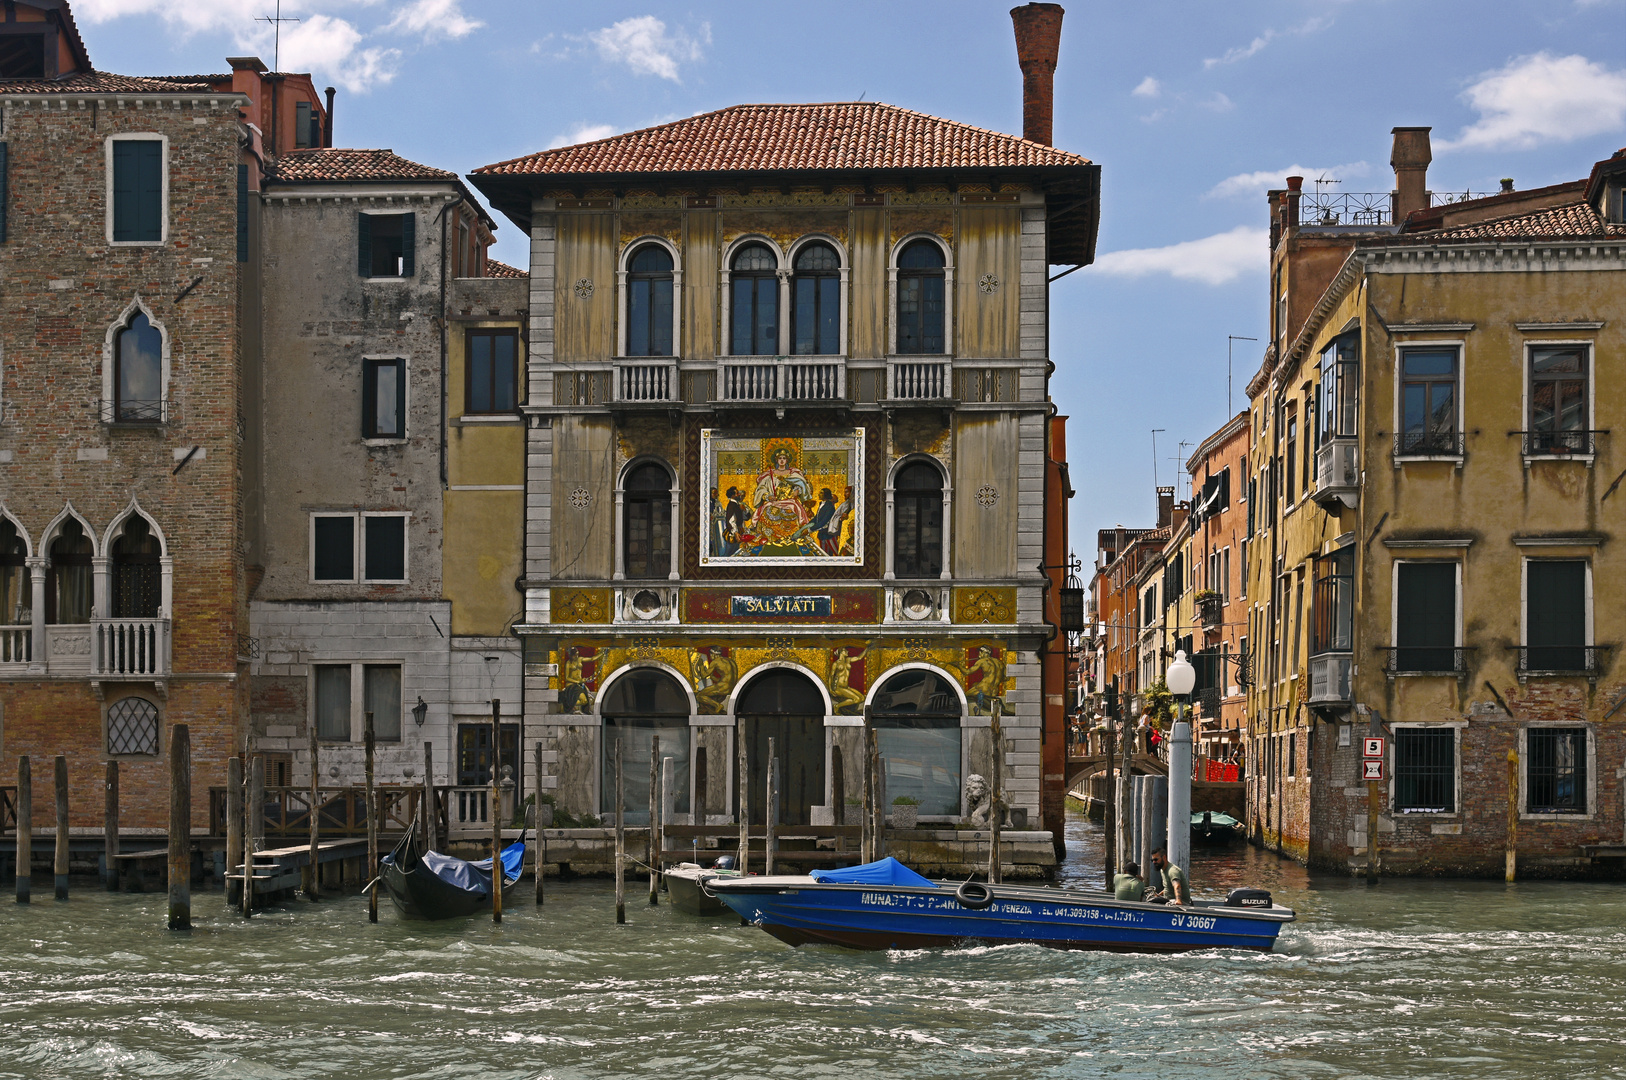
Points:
[(638, 706), (917, 721), (16, 585), (137, 578), (647, 531), (67, 576), (787, 707), (649, 302), (920, 298), (138, 388), (132, 726), (815, 301), (917, 521), (754, 302)]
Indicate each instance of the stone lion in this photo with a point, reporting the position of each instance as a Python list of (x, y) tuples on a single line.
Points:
[(979, 801)]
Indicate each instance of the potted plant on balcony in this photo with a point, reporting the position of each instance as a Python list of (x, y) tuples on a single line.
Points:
[(1208, 605), (905, 812)]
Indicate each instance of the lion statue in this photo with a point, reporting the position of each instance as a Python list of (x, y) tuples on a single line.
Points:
[(979, 801)]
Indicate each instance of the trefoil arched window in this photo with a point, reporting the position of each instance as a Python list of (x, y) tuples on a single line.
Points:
[(138, 385), (137, 576), (68, 588)]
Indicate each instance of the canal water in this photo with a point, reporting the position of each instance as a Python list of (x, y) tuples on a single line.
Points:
[(1407, 979)]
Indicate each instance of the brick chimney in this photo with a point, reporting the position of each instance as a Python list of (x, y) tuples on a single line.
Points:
[(1410, 157), (1295, 191), (1165, 506), (1038, 41)]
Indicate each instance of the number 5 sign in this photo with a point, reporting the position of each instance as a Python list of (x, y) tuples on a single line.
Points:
[(1372, 748)]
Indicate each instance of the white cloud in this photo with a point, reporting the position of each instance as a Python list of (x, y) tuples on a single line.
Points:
[(1250, 184), (643, 44), (1214, 260), (582, 133), (1542, 99), (1218, 102), (433, 18), (1241, 52), (322, 43), (1148, 88)]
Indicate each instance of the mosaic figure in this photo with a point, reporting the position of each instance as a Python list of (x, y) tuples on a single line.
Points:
[(774, 498), (985, 683), (714, 675), (575, 696)]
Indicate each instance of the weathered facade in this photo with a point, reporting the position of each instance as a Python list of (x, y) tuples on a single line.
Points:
[(1216, 621), (787, 453), (1433, 564)]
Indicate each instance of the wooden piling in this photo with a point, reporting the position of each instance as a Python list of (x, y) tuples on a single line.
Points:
[(866, 824), (701, 778), (180, 827), (61, 863), (996, 801), (877, 827), (110, 828), (368, 744), (430, 805), (654, 819), (838, 795), (1109, 814), (744, 784), (620, 840), (313, 873), (497, 874), (770, 811), (25, 829), (668, 811), (234, 820), (1512, 814), (541, 839), (253, 823)]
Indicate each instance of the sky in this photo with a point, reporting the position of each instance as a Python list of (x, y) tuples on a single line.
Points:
[(1192, 110)]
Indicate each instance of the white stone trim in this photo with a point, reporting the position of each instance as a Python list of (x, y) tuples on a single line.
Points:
[(163, 198), (892, 292), (621, 272), (110, 347)]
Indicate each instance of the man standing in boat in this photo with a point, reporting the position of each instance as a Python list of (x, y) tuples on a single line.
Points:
[(1174, 878)]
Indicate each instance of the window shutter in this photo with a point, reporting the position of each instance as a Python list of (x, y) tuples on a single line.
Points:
[(242, 213), (364, 245), (409, 244), (124, 208), (1555, 599), (149, 178), (3, 193), (1427, 605)]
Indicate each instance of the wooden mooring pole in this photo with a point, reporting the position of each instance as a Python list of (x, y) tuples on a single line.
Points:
[(838, 795), (61, 862), (866, 823), (497, 874), (1512, 814), (541, 838), (234, 821), (25, 829), (996, 801), (431, 805), (877, 828), (253, 822), (668, 813), (372, 821), (313, 868), (110, 828), (1109, 811), (620, 840), (770, 811), (744, 785), (654, 819), (180, 827)]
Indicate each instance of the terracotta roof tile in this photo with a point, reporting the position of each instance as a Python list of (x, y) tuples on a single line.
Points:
[(318, 166), (102, 82), (837, 135), (1577, 219), (502, 269)]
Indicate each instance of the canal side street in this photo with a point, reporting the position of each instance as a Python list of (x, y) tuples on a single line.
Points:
[(1406, 979)]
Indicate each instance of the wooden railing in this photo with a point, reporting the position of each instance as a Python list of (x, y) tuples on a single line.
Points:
[(340, 812), (8, 809)]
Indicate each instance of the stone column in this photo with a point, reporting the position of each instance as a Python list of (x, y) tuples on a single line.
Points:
[(36, 653), (101, 592)]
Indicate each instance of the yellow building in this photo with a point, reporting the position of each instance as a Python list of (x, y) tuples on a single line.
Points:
[(1435, 471)]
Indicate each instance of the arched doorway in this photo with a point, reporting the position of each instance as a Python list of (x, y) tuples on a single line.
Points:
[(787, 707), (638, 705), (917, 726)]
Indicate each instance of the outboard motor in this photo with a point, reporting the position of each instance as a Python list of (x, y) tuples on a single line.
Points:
[(726, 862), (1257, 898)]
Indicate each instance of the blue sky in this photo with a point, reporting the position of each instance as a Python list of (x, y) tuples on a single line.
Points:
[(1192, 109)]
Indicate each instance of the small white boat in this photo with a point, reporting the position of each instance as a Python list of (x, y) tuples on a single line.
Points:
[(686, 885)]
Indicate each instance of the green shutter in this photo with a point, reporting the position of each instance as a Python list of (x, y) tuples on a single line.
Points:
[(364, 245), (1555, 603), (138, 190), (124, 210), (409, 244), (3, 192), (242, 213)]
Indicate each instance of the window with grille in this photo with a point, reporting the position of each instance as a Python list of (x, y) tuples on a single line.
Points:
[(132, 727), (1555, 770), (137, 573), (1425, 770)]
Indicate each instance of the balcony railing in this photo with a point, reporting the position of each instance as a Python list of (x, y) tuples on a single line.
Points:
[(136, 647), (1338, 472), (646, 382), (1327, 209), (920, 381), (135, 411), (1330, 678), (1559, 443), (16, 644), (340, 811), (1559, 659), (1430, 444), (783, 380), (1426, 659)]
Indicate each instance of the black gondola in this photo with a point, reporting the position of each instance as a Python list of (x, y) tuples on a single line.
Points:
[(429, 885)]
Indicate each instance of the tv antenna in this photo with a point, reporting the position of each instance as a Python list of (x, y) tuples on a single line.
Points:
[(276, 22), (1232, 339)]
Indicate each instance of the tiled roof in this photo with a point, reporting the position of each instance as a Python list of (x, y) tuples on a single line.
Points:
[(502, 269), (839, 135), (1577, 219), (348, 166), (102, 82), (226, 78)]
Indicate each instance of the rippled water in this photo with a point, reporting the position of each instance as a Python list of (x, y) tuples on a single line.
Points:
[(1406, 979)]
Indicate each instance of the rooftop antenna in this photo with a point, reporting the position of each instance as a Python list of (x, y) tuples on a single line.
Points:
[(1154, 455), (1231, 339), (276, 22)]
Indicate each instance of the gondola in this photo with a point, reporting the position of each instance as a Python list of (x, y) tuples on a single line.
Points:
[(429, 885)]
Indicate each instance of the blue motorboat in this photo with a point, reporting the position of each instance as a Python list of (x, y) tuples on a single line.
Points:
[(885, 905)]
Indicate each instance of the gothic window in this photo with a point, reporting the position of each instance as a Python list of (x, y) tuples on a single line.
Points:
[(647, 531), (754, 302), (68, 576), (137, 577), (921, 294), (917, 529), (649, 302), (815, 301), (16, 585), (138, 373)]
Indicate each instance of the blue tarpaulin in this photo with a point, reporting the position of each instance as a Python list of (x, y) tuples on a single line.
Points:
[(888, 871), (474, 877)]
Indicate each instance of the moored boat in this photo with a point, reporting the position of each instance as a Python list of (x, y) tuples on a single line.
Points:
[(885, 905), (429, 885), (686, 885), (1213, 828)]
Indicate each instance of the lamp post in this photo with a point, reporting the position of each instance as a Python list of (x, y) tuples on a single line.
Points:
[(1181, 680)]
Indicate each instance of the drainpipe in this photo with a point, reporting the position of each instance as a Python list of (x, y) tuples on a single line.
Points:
[(445, 421)]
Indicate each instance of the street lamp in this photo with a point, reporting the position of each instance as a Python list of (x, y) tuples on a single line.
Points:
[(1181, 680), (420, 711)]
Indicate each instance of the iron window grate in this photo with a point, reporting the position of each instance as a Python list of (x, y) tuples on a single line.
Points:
[(1556, 775), (1425, 770), (132, 727)]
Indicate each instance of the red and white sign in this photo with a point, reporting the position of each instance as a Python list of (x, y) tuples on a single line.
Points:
[(1372, 747), (1372, 769)]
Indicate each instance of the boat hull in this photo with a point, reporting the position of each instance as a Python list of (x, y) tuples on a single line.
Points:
[(420, 895), (685, 887), (800, 911)]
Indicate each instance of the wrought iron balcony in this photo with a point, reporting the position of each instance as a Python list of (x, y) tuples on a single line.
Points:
[(1330, 676), (1559, 660), (1560, 444), (1426, 659), (773, 379), (134, 411), (1449, 444)]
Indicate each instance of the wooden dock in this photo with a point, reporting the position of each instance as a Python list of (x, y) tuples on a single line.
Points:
[(279, 872)]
